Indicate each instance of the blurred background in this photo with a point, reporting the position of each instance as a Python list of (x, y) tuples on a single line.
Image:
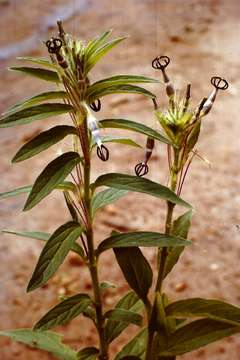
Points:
[(202, 40)]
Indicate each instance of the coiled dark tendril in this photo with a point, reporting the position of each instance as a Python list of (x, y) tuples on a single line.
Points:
[(141, 169), (96, 106), (102, 153), (54, 45), (219, 83), (160, 62)]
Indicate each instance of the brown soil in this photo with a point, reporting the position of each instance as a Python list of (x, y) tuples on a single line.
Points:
[(202, 40)]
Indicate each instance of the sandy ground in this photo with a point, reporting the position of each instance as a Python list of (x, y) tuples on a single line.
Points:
[(202, 40)]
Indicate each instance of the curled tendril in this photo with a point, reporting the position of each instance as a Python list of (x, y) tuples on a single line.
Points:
[(96, 106), (219, 83), (54, 45), (102, 153), (160, 62), (141, 169)]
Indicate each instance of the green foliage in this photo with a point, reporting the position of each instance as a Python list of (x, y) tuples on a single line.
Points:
[(40, 73), (133, 126), (137, 184), (106, 197), (64, 312), (44, 340), (197, 334), (53, 174), (33, 113), (54, 253), (140, 238), (43, 141), (136, 347), (129, 302), (89, 353), (136, 269)]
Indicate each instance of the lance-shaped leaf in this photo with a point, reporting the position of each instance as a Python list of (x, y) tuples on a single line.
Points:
[(64, 312), (138, 184), (126, 316), (133, 126), (121, 80), (65, 186), (106, 197), (54, 253), (142, 239), (39, 235), (53, 174), (89, 353), (136, 269), (180, 227), (33, 113), (118, 140), (44, 74), (213, 309), (43, 141), (19, 191), (129, 302), (100, 91), (50, 95), (44, 340), (197, 334), (100, 52), (97, 42), (136, 347), (38, 61)]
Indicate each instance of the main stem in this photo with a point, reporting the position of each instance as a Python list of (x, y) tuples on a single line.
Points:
[(91, 254), (163, 253)]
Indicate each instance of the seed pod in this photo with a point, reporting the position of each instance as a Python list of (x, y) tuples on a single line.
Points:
[(160, 63), (219, 84), (96, 106), (141, 169), (102, 152)]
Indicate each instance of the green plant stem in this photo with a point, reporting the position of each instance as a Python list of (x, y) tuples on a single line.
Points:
[(163, 253), (103, 355)]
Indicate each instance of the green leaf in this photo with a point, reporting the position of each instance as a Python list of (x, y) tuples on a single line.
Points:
[(53, 174), (100, 91), (114, 328), (123, 315), (136, 269), (97, 42), (193, 137), (106, 197), (180, 227), (44, 340), (40, 73), (138, 184), (120, 80), (54, 253), (118, 140), (15, 192), (65, 186), (197, 334), (136, 347), (38, 61), (64, 312), (43, 141), (38, 235), (89, 353), (101, 51), (142, 239), (50, 95), (133, 126), (33, 113), (212, 309), (106, 285)]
